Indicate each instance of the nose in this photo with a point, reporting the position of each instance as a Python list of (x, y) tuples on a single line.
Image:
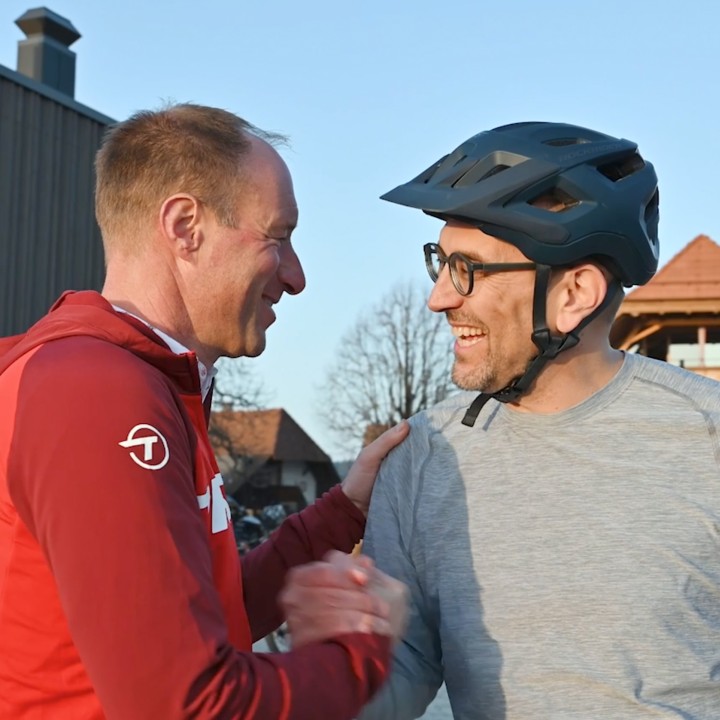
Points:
[(290, 271), (444, 295)]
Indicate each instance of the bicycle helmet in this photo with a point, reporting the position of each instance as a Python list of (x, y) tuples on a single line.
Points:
[(609, 194), (562, 194)]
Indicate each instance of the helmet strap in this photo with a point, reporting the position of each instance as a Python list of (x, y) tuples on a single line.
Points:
[(548, 345)]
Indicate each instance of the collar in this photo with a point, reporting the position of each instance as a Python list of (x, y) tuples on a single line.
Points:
[(207, 374)]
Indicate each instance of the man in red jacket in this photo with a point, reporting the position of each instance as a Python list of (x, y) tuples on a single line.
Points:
[(121, 592)]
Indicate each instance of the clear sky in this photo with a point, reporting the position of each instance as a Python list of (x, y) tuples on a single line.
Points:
[(372, 92)]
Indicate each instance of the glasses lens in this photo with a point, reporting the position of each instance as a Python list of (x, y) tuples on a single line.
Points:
[(460, 273), (432, 261)]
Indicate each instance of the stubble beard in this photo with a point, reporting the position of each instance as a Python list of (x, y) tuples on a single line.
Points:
[(489, 377), (479, 379)]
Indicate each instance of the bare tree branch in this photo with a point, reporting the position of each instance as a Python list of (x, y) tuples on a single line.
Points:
[(393, 363), (236, 388)]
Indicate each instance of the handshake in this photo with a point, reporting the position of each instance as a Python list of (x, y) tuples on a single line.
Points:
[(343, 594)]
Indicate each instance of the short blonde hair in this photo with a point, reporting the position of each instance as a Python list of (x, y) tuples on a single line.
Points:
[(179, 148)]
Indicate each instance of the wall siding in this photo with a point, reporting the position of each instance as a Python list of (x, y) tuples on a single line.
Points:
[(49, 240)]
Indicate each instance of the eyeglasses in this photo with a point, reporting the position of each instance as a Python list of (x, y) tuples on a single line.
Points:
[(462, 269)]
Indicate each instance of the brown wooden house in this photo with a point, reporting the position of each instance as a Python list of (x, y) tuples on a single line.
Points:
[(676, 316), (266, 457)]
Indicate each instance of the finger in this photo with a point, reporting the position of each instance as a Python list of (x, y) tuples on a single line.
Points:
[(379, 577), (336, 557), (373, 624), (358, 569), (321, 574), (312, 604), (366, 563), (372, 455)]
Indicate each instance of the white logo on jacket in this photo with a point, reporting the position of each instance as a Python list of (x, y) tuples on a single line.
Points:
[(151, 449), (213, 499)]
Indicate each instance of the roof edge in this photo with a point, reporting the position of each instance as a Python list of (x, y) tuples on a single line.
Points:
[(54, 95)]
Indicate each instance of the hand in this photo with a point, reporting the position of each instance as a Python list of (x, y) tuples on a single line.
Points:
[(377, 583), (359, 482), (395, 594), (326, 599)]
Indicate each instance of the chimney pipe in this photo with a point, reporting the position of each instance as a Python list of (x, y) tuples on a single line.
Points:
[(45, 55)]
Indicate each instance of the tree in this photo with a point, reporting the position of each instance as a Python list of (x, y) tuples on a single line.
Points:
[(395, 361), (236, 389)]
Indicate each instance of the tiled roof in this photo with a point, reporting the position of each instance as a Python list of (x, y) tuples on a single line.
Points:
[(694, 273), (270, 434)]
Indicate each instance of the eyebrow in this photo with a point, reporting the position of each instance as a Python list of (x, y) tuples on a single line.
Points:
[(470, 256)]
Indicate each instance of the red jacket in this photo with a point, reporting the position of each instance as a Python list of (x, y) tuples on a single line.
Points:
[(121, 591)]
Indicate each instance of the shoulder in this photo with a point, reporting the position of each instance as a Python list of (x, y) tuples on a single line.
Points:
[(673, 385), (87, 364), (85, 383), (444, 414), (433, 436)]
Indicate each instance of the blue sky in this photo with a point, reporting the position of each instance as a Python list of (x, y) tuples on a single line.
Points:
[(371, 93)]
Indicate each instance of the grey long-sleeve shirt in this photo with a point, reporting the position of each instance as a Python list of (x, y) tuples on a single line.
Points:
[(562, 566)]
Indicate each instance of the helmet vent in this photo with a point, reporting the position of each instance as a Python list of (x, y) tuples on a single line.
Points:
[(562, 142), (556, 201), (428, 174), (472, 176), (651, 215), (491, 165), (622, 168), (494, 171)]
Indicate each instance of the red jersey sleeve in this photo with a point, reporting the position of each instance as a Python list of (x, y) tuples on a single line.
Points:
[(129, 555)]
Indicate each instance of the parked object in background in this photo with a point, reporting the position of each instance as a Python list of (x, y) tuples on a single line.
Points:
[(250, 531), (279, 640), (253, 526)]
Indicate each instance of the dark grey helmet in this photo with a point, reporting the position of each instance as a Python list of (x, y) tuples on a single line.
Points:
[(608, 192)]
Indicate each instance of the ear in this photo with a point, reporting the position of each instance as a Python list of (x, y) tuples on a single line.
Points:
[(180, 221), (576, 293)]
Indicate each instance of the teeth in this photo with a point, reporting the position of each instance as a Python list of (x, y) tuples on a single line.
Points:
[(466, 332)]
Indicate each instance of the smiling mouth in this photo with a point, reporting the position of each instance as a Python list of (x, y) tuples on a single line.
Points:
[(467, 336)]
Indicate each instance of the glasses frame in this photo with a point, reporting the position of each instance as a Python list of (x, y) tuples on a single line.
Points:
[(451, 260)]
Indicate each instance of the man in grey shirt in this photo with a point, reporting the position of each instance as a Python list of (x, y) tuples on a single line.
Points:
[(559, 532)]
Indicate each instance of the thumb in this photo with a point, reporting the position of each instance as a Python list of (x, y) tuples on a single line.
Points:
[(373, 454), (359, 481)]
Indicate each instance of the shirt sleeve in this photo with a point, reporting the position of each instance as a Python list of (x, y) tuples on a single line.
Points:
[(332, 522), (393, 542), (130, 558)]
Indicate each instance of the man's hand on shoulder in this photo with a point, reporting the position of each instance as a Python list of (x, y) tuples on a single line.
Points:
[(359, 482)]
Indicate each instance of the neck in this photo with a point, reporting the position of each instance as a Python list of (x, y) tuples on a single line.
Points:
[(156, 298), (570, 378)]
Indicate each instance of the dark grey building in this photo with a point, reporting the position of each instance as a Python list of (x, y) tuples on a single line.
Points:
[(49, 240)]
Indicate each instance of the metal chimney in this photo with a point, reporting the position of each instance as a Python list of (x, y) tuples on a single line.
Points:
[(45, 55)]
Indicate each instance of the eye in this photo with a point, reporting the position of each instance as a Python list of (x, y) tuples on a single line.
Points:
[(461, 268), (279, 238)]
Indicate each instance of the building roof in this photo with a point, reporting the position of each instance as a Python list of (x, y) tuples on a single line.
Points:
[(50, 93), (682, 297), (270, 434), (694, 273)]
